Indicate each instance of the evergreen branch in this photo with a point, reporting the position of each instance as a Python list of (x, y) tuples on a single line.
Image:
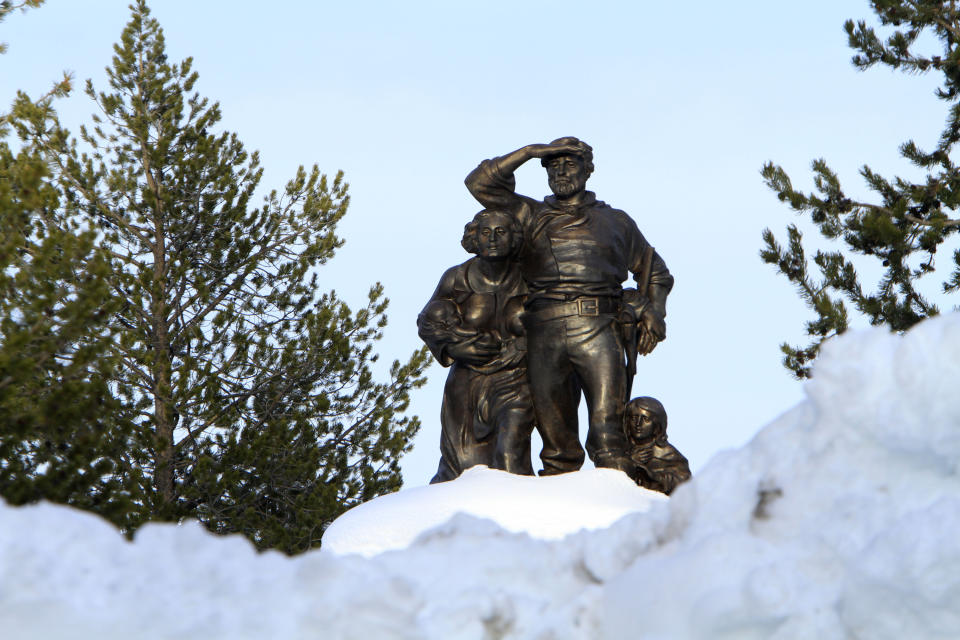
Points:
[(92, 198), (238, 281), (949, 223), (952, 28)]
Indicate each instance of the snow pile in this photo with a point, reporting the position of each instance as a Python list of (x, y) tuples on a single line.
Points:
[(548, 508), (838, 520)]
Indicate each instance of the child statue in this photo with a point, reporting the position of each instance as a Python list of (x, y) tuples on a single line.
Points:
[(659, 466)]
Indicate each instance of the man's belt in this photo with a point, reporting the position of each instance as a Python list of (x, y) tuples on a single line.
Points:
[(589, 307)]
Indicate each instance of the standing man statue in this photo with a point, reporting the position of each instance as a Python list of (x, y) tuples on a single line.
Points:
[(577, 252)]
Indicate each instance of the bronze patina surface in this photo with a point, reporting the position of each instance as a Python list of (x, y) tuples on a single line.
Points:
[(540, 319), (659, 465), (472, 325)]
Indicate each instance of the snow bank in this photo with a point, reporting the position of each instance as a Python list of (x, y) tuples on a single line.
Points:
[(838, 520)]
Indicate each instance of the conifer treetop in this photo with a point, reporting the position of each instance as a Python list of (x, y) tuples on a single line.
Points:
[(908, 223)]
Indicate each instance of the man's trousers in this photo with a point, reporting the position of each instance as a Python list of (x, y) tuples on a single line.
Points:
[(564, 356)]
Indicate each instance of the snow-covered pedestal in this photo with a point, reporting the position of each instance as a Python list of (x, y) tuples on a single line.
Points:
[(548, 508)]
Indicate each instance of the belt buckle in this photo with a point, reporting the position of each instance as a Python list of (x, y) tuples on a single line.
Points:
[(588, 306)]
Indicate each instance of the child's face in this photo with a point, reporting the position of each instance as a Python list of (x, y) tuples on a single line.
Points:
[(641, 423)]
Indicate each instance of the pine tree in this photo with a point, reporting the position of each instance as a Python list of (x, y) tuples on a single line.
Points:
[(908, 223), (250, 398), (57, 437)]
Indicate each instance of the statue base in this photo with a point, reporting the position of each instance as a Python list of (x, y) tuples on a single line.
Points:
[(549, 507)]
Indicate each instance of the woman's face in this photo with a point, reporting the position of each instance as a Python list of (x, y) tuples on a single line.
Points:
[(494, 236)]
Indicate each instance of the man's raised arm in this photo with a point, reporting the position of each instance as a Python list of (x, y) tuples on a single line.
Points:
[(492, 183)]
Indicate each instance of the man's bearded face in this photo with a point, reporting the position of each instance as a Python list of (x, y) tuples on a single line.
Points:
[(566, 176)]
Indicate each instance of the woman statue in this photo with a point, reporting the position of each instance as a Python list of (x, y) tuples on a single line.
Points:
[(472, 325)]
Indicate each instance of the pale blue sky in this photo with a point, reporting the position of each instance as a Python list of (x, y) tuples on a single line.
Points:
[(682, 103)]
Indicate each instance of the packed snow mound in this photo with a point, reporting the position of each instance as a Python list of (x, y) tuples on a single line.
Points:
[(548, 508), (838, 520)]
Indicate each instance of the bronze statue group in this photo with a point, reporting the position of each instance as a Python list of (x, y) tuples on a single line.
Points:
[(539, 317)]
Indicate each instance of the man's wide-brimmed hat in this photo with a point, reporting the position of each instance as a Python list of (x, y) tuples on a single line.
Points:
[(584, 151)]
